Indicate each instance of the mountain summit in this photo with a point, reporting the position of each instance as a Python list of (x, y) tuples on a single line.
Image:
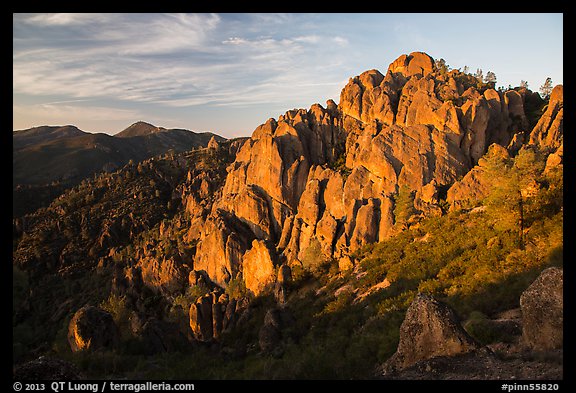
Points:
[(139, 128)]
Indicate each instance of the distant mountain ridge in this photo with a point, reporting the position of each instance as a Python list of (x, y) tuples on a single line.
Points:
[(42, 134), (66, 155)]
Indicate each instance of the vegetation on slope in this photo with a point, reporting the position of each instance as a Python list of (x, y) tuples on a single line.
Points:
[(66, 253)]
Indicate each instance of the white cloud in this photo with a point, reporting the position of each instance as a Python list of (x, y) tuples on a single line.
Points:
[(235, 41), (342, 41), (67, 19)]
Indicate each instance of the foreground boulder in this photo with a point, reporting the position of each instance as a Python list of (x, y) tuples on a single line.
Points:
[(92, 328), (45, 368), (430, 329), (542, 311)]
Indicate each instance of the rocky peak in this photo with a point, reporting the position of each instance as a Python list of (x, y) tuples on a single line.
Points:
[(213, 144), (416, 63), (139, 128)]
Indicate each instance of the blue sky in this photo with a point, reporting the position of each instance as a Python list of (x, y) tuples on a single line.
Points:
[(228, 73)]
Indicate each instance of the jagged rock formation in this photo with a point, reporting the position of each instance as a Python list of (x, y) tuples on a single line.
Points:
[(91, 329), (547, 135), (324, 181), (212, 314), (542, 307), (549, 131), (430, 329)]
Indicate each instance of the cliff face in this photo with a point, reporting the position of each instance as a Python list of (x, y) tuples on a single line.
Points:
[(330, 176)]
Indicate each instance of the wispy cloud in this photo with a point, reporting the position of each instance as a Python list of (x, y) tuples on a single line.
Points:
[(169, 59), (66, 19)]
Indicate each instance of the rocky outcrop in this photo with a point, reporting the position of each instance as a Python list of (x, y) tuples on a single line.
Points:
[(164, 274), (322, 182), (476, 184), (258, 268), (212, 314), (554, 160), (223, 241), (416, 63), (542, 311), (430, 329), (549, 131), (263, 189), (91, 329), (213, 144)]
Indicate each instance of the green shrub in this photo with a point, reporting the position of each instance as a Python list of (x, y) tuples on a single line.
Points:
[(236, 288), (486, 331), (116, 305), (314, 259)]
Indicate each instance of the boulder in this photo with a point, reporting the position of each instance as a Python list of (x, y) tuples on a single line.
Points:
[(46, 368), (284, 274), (345, 264), (269, 338), (366, 228), (554, 160), (542, 311), (223, 242), (212, 314), (92, 328), (430, 329)]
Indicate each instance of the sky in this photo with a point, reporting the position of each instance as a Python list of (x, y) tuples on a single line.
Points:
[(229, 73)]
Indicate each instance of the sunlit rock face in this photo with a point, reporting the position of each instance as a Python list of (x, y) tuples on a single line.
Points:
[(323, 182)]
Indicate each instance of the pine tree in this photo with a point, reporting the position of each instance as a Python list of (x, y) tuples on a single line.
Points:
[(490, 77), (515, 183), (546, 88), (479, 74), (404, 205), (441, 66)]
